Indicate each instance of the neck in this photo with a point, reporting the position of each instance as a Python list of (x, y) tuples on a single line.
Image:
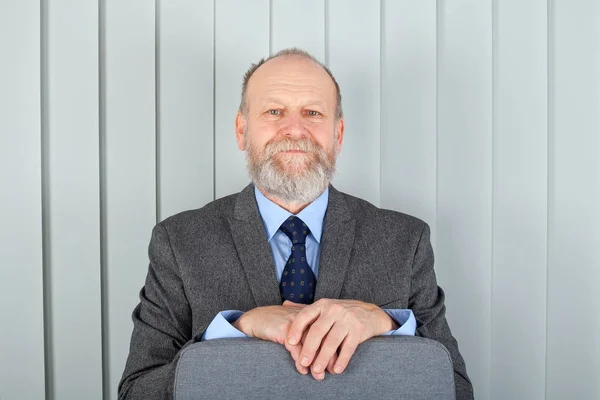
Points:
[(293, 208)]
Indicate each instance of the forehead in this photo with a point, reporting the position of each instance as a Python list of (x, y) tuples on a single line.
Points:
[(291, 77)]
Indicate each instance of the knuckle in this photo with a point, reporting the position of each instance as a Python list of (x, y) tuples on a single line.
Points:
[(317, 330), (321, 302), (327, 350), (282, 327), (309, 352), (337, 308), (333, 340)]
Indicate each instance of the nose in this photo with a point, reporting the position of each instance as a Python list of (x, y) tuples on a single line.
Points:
[(294, 127)]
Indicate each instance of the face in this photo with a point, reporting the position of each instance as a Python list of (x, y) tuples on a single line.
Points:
[(289, 132)]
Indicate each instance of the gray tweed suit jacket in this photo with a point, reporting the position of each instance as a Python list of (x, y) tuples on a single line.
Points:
[(217, 258)]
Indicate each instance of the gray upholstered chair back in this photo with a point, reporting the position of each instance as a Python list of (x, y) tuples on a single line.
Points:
[(382, 368)]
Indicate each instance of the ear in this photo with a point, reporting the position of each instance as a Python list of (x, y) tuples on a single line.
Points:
[(339, 133), (240, 129)]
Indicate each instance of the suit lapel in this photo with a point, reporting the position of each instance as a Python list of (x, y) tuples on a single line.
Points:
[(253, 249), (336, 245)]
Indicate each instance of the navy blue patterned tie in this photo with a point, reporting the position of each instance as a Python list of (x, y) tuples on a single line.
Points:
[(298, 281)]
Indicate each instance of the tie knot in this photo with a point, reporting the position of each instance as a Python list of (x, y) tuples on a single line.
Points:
[(295, 229)]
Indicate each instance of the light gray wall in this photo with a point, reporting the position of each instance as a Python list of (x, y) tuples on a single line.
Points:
[(21, 235), (481, 117)]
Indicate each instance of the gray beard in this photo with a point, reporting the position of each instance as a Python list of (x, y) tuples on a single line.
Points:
[(301, 187)]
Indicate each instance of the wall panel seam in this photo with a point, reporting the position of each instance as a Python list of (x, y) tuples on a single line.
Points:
[(45, 204), (494, 16), (438, 10), (326, 30), (157, 107), (214, 95), (549, 132), (381, 72), (270, 27), (102, 189)]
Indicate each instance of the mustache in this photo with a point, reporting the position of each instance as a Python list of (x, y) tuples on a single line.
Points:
[(304, 145)]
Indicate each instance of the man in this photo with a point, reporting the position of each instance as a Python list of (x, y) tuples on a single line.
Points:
[(313, 269)]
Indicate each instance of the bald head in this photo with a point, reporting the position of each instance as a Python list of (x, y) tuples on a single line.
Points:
[(289, 65)]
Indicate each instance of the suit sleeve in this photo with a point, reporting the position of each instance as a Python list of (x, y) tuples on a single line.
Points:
[(162, 326), (427, 303)]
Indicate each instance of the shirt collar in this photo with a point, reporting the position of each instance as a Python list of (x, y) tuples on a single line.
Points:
[(273, 215)]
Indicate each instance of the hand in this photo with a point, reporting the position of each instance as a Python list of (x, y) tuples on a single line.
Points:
[(327, 326), (269, 323)]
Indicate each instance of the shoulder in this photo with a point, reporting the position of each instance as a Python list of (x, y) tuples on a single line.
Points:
[(210, 216), (383, 220)]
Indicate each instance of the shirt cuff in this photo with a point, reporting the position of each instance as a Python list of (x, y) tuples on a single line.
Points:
[(221, 327), (405, 319)]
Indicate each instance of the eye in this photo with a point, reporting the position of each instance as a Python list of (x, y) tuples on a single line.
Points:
[(313, 113), (274, 112)]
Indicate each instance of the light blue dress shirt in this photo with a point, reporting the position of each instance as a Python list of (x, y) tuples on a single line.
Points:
[(312, 215)]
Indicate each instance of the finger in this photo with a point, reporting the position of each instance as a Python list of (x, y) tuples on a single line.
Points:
[(316, 333), (301, 368), (331, 364), (295, 351), (317, 375), (329, 346), (303, 319), (347, 350)]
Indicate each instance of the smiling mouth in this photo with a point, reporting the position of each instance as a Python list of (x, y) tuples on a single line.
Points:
[(295, 152)]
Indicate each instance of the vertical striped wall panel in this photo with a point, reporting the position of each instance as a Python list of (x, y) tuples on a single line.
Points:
[(185, 87), (298, 24), (241, 38), (409, 108), (354, 54), (129, 155), (21, 291), (520, 161), (479, 117), (464, 176), (574, 201), (520, 149), (73, 201)]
